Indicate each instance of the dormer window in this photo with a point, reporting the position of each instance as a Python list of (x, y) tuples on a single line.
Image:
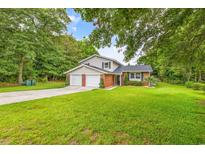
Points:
[(106, 65)]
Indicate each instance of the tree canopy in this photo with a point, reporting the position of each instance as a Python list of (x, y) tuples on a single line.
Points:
[(34, 43), (171, 40)]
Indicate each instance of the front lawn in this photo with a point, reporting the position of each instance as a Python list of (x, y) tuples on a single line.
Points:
[(47, 85), (167, 114)]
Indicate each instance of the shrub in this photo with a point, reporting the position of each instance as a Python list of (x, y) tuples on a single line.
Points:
[(126, 80), (134, 83), (203, 87), (189, 84), (197, 86), (44, 80), (152, 80), (67, 81), (176, 81), (101, 84)]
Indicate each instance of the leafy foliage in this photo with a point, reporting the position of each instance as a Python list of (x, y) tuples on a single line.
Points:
[(197, 86), (134, 83), (151, 80), (189, 84), (35, 44), (126, 79), (203, 87), (131, 83), (171, 40), (101, 84)]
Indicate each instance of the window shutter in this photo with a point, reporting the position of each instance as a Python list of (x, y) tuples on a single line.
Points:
[(102, 65), (109, 65)]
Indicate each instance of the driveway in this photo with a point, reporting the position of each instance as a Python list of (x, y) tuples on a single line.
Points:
[(20, 96)]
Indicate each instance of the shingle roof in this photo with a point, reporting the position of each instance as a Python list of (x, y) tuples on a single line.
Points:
[(131, 68)]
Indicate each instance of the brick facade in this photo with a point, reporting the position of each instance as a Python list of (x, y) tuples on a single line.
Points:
[(144, 74), (108, 80)]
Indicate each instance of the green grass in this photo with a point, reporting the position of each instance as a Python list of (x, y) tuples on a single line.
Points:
[(47, 85), (167, 114)]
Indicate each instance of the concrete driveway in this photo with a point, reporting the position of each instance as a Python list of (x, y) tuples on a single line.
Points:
[(20, 96)]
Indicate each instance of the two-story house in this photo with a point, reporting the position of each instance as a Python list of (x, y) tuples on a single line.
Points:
[(94, 68)]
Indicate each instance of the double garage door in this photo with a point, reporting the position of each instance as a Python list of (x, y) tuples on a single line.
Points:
[(90, 80)]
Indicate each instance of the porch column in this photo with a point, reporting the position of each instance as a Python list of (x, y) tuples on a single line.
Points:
[(120, 79), (83, 80)]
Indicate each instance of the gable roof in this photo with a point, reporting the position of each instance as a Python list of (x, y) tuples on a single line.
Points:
[(88, 66), (98, 68), (95, 55), (133, 68)]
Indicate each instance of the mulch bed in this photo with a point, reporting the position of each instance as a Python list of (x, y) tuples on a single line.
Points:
[(7, 84)]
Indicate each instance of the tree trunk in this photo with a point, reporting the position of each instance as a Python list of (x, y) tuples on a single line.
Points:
[(189, 75), (195, 78), (20, 75), (199, 76)]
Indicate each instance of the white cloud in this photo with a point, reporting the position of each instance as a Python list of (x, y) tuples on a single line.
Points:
[(74, 19), (113, 52)]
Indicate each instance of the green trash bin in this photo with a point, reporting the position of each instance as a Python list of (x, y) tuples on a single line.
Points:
[(28, 83), (33, 82)]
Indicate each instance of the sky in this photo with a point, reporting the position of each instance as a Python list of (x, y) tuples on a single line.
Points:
[(81, 29)]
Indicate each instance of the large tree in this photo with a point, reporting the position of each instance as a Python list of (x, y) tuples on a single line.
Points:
[(29, 31), (35, 44), (172, 40)]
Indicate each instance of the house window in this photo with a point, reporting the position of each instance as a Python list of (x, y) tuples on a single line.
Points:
[(132, 75), (106, 65), (138, 75), (135, 76)]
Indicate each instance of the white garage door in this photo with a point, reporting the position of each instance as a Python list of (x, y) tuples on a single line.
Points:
[(75, 80), (93, 80)]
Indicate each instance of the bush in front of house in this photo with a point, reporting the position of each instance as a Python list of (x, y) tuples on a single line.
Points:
[(189, 84), (151, 80), (197, 86), (134, 83), (126, 80), (67, 81), (101, 84)]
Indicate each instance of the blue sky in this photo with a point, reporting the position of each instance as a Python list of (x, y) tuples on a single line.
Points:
[(80, 29)]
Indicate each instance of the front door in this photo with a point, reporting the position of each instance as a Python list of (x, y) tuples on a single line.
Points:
[(117, 80)]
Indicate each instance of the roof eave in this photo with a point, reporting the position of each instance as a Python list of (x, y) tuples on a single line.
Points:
[(83, 65), (101, 57), (87, 58)]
